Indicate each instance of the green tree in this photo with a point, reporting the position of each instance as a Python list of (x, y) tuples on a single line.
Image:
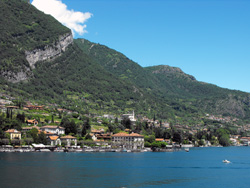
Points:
[(150, 138), (29, 141), (126, 123), (70, 126), (34, 134), (86, 127), (177, 137), (21, 117), (42, 138), (224, 140)]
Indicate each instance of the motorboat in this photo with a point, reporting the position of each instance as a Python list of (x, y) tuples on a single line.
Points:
[(187, 149), (226, 161)]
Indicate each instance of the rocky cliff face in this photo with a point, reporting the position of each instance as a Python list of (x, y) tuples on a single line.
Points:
[(18, 76), (49, 52)]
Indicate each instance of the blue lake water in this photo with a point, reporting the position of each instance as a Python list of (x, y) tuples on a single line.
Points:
[(201, 167)]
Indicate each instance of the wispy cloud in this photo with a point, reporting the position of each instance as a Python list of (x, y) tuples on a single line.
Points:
[(70, 18)]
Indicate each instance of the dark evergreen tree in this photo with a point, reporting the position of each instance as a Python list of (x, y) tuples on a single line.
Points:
[(21, 117)]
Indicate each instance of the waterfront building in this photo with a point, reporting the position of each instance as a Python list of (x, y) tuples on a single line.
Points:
[(56, 130), (245, 141), (104, 137), (14, 134), (54, 140), (69, 140), (128, 141)]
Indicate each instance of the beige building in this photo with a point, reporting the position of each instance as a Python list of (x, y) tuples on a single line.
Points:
[(14, 134), (128, 141), (69, 140)]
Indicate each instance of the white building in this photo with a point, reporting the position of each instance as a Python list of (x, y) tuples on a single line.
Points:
[(53, 129), (128, 141), (131, 117), (54, 140), (245, 141)]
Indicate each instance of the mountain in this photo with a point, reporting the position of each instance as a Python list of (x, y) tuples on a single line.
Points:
[(178, 89), (25, 34), (40, 61)]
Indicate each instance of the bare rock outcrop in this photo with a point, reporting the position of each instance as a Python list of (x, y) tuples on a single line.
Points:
[(16, 77), (49, 52)]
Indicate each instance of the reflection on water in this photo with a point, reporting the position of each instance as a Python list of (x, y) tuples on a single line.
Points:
[(160, 183), (201, 167)]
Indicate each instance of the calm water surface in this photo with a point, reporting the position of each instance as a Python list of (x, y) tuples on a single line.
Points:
[(201, 167)]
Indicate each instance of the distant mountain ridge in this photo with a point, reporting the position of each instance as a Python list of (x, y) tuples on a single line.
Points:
[(41, 61)]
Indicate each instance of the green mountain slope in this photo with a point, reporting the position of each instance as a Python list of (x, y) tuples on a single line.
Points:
[(88, 77), (207, 97), (118, 64), (170, 84)]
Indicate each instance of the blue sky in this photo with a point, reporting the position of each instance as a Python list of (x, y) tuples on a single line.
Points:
[(209, 39)]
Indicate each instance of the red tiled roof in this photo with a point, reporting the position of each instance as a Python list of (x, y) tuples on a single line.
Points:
[(68, 137), (29, 128), (159, 139), (53, 137), (136, 135), (12, 131), (52, 127), (120, 134), (248, 138), (31, 120), (126, 134), (45, 132)]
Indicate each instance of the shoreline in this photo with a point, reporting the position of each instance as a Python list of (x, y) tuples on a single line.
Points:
[(83, 150), (26, 149)]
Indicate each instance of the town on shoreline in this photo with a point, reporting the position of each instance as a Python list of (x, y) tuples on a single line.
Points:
[(27, 127)]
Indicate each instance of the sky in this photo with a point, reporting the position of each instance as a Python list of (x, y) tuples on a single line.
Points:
[(209, 39)]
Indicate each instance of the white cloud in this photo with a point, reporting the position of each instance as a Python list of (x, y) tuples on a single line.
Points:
[(70, 18)]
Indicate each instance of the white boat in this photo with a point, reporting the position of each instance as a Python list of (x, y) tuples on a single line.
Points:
[(226, 161), (187, 149)]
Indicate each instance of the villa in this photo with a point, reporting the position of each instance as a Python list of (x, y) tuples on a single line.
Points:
[(56, 130), (14, 134), (54, 140), (69, 140), (128, 141)]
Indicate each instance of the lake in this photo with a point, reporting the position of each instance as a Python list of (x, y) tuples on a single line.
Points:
[(201, 167)]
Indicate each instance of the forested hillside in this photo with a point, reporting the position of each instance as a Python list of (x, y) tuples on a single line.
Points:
[(179, 90), (92, 78)]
